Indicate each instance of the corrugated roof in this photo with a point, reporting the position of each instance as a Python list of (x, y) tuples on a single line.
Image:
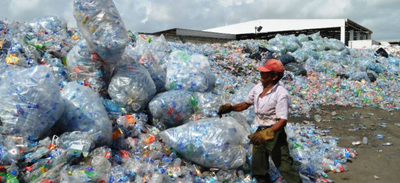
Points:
[(276, 25), (197, 33)]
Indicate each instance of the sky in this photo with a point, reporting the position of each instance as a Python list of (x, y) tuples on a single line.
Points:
[(380, 16)]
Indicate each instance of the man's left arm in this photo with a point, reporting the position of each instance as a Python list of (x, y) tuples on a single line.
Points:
[(281, 124)]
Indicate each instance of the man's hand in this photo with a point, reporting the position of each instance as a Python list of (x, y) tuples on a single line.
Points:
[(223, 109), (261, 136)]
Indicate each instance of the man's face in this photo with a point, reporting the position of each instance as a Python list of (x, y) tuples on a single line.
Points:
[(266, 77)]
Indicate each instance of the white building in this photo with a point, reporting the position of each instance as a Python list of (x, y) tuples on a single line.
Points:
[(342, 29)]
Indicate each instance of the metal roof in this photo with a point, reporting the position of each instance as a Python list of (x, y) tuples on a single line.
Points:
[(277, 25), (197, 33)]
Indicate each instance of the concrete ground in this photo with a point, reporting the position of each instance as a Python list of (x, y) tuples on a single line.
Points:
[(374, 163)]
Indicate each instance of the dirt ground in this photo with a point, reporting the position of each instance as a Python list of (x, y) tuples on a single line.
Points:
[(374, 163)]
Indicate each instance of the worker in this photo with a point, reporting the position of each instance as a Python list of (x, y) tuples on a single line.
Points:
[(271, 105)]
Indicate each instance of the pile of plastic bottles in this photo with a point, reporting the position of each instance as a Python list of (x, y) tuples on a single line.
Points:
[(100, 104)]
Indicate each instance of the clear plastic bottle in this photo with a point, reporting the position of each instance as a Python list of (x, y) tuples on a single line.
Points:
[(177, 167), (13, 170), (317, 118), (12, 174), (365, 140), (157, 178)]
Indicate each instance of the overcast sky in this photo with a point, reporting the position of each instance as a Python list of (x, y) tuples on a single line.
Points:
[(381, 16)]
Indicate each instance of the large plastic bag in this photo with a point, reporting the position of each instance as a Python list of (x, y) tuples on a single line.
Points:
[(85, 112), (303, 38), (147, 59), (132, 85), (334, 44), (358, 76), (313, 64), (205, 105), (296, 69), (375, 67), (189, 72), (315, 36), (239, 96), (83, 69), (30, 102), (278, 49), (286, 58), (60, 71), (300, 55), (212, 142), (292, 45), (102, 27), (172, 108), (6, 68), (160, 50)]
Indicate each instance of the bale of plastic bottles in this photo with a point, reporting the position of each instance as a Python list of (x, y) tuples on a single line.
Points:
[(132, 85), (205, 105), (192, 73), (240, 96), (212, 142), (83, 69), (31, 102), (102, 27), (154, 57), (156, 70), (85, 112), (172, 108)]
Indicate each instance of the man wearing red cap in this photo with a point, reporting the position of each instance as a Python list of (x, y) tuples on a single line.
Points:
[(271, 105)]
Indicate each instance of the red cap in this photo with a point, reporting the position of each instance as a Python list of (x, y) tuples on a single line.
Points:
[(272, 65)]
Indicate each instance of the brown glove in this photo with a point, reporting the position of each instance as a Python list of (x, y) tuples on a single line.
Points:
[(261, 136), (223, 109)]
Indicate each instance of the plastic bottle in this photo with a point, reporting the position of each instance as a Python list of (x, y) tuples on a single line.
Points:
[(317, 118), (341, 168), (12, 174), (365, 140), (157, 178), (13, 170), (176, 172), (387, 144)]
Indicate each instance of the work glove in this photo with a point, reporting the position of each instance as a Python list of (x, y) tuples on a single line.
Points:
[(261, 136), (223, 109)]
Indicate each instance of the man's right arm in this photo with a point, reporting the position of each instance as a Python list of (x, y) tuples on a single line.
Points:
[(240, 106)]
